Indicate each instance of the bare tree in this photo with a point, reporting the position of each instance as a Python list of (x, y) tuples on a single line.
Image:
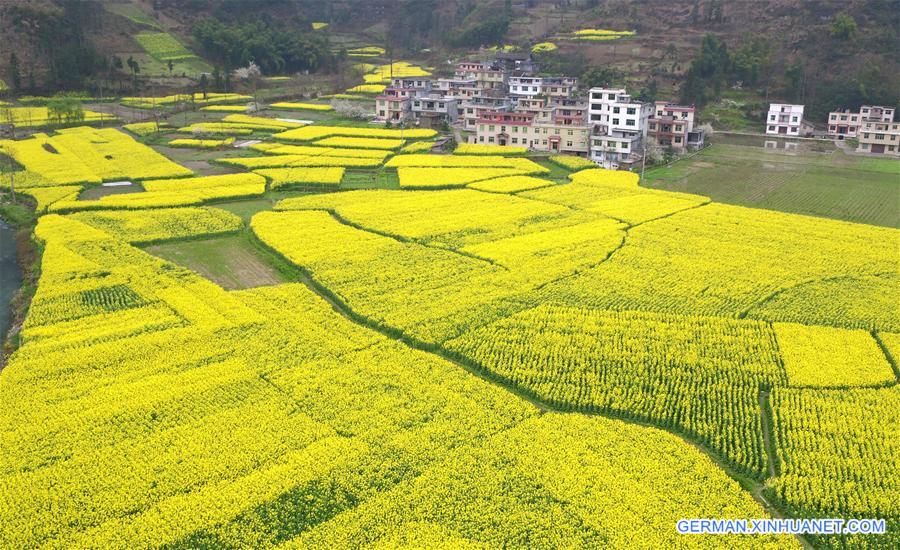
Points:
[(250, 74)]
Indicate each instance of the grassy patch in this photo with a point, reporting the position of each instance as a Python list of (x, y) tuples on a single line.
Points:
[(246, 209), (96, 192), (831, 185), (233, 261), (16, 214), (557, 172), (370, 179)]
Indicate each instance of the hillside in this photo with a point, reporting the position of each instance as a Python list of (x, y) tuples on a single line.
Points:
[(791, 47)]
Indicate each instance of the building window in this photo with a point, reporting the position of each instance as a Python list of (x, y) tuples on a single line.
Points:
[(611, 96), (772, 117), (615, 110), (866, 136), (677, 139), (515, 140), (879, 136), (570, 132), (630, 110), (481, 139), (569, 144), (794, 119), (624, 145), (630, 122), (615, 121), (491, 139), (491, 128)]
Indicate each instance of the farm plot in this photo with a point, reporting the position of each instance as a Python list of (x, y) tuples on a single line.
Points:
[(828, 185), (392, 367)]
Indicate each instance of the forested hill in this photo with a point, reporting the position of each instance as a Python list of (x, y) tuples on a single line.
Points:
[(819, 52)]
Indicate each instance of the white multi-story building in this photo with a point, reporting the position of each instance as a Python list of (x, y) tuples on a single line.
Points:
[(551, 86), (784, 119), (615, 109), (615, 149), (620, 125)]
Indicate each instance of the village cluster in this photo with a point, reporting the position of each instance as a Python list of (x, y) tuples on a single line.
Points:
[(505, 102)]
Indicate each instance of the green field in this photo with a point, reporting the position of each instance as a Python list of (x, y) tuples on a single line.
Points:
[(826, 183), (232, 262)]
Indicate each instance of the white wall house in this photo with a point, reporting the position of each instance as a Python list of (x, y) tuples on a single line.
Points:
[(784, 119), (620, 126), (614, 108)]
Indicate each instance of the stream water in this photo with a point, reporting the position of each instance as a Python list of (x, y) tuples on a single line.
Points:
[(10, 276)]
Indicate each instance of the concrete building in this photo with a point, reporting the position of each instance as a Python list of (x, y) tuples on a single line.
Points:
[(615, 149), (532, 86), (540, 132), (878, 137), (394, 104), (615, 109), (672, 126), (472, 109), (619, 127), (876, 113), (843, 124), (487, 76), (784, 119), (432, 110)]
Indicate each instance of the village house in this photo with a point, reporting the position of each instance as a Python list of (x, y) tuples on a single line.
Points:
[(784, 119), (879, 137), (672, 126)]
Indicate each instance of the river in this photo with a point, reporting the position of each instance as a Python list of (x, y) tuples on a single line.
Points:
[(10, 276)]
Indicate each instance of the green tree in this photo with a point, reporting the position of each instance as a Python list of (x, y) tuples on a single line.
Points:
[(62, 108), (15, 77), (597, 77), (843, 27)]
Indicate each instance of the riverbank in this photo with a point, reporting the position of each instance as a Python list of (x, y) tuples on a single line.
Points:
[(19, 271)]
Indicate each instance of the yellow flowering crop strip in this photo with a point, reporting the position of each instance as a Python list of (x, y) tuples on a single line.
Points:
[(293, 106), (361, 142), (310, 133), (376, 50), (142, 226), (225, 108), (168, 193), (837, 451), (466, 161), (543, 47), (286, 161), (510, 184), (45, 196), (144, 129), (481, 149), (835, 357), (425, 178), (201, 143), (623, 352), (218, 128), (280, 178), (573, 163), (87, 155), (40, 117), (263, 123), (314, 151), (372, 89), (418, 147)]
